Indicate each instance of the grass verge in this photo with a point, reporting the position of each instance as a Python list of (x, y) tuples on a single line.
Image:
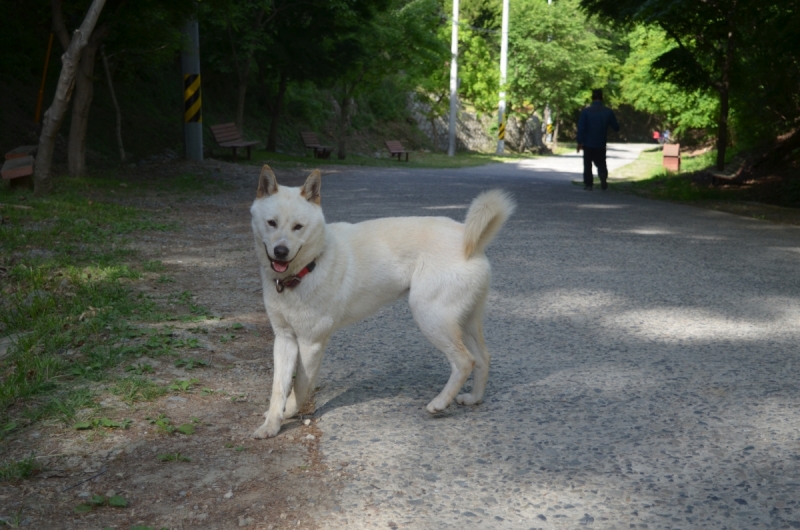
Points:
[(646, 177), (68, 310), (415, 160)]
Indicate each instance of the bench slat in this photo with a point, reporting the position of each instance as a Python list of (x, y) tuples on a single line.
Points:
[(395, 147), (22, 151), (311, 141), (227, 135), (17, 167)]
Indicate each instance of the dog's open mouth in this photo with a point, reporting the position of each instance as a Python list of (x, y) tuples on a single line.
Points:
[(279, 266)]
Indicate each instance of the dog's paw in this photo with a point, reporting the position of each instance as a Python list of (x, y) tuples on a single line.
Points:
[(467, 399), (435, 406), (268, 430)]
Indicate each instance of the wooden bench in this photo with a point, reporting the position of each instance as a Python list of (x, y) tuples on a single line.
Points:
[(18, 166), (227, 135), (672, 157), (311, 141), (396, 149)]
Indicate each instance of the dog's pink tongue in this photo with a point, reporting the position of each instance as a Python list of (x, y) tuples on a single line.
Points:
[(280, 266)]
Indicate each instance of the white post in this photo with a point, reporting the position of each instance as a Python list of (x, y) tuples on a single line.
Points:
[(451, 148), (501, 110)]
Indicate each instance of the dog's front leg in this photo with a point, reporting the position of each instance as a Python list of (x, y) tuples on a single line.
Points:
[(284, 360), (307, 369)]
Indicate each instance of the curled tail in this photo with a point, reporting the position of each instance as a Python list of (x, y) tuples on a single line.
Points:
[(485, 216)]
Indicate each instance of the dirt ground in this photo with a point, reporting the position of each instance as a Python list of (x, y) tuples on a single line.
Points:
[(231, 480)]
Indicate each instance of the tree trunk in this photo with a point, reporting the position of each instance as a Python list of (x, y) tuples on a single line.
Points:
[(240, 103), (54, 116), (84, 92), (272, 140), (116, 104), (344, 124), (724, 94), (556, 122), (244, 73)]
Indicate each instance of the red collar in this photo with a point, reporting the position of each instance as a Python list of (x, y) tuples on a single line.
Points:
[(293, 281)]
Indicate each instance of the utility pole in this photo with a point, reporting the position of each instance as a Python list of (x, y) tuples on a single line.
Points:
[(192, 103), (548, 115), (451, 148), (501, 111)]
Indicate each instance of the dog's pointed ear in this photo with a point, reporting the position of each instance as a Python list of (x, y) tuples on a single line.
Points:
[(311, 189), (267, 184)]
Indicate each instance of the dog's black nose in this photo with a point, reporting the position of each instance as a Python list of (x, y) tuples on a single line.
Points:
[(281, 252)]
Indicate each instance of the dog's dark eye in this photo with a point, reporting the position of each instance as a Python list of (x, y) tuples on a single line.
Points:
[(297, 227), (272, 223)]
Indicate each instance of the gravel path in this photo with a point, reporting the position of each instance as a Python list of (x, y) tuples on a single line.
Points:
[(645, 367)]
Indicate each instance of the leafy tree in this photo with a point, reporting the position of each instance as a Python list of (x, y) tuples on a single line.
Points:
[(555, 56), (147, 24), (240, 28), (54, 116), (713, 40), (479, 70), (641, 87), (403, 39)]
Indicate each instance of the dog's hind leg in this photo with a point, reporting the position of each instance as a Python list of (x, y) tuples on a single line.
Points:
[(473, 338), (284, 358), (441, 326), (307, 370)]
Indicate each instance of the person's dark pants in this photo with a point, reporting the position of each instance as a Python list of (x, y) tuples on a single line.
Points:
[(596, 156)]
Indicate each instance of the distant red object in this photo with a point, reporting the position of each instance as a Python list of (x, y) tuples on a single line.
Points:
[(656, 136)]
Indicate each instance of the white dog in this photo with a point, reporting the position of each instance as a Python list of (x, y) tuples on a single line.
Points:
[(319, 277)]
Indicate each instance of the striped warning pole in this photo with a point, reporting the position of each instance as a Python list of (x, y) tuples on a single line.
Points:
[(192, 103)]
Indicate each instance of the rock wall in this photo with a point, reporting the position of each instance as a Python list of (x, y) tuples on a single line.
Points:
[(472, 131)]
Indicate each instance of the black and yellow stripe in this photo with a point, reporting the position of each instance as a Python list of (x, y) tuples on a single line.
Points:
[(192, 104), (501, 131)]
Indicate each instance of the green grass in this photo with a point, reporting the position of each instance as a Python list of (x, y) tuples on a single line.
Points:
[(415, 160), (67, 303), (18, 469), (647, 177)]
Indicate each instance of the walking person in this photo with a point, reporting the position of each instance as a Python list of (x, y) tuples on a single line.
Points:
[(592, 131)]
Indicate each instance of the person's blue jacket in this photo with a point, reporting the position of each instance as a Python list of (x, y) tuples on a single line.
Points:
[(594, 123)]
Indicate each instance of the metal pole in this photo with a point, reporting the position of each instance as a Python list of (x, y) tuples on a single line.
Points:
[(501, 110), (548, 115), (192, 110), (451, 148)]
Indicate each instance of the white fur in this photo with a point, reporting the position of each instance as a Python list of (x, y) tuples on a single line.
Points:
[(361, 267)]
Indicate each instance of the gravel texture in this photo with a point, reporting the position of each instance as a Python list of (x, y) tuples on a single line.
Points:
[(645, 367)]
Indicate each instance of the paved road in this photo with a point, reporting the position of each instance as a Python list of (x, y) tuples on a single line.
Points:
[(645, 367)]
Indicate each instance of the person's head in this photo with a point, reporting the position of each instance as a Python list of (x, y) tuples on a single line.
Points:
[(597, 94)]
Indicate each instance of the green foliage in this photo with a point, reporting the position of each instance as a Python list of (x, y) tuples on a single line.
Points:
[(164, 424), (555, 56), (403, 39), (183, 385), (174, 457), (67, 303), (744, 50), (102, 422), (678, 108), (97, 501), (479, 71), (14, 470), (136, 389)]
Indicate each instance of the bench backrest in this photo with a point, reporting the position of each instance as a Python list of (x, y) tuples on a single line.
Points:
[(672, 149), (394, 145), (310, 139), (226, 132)]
